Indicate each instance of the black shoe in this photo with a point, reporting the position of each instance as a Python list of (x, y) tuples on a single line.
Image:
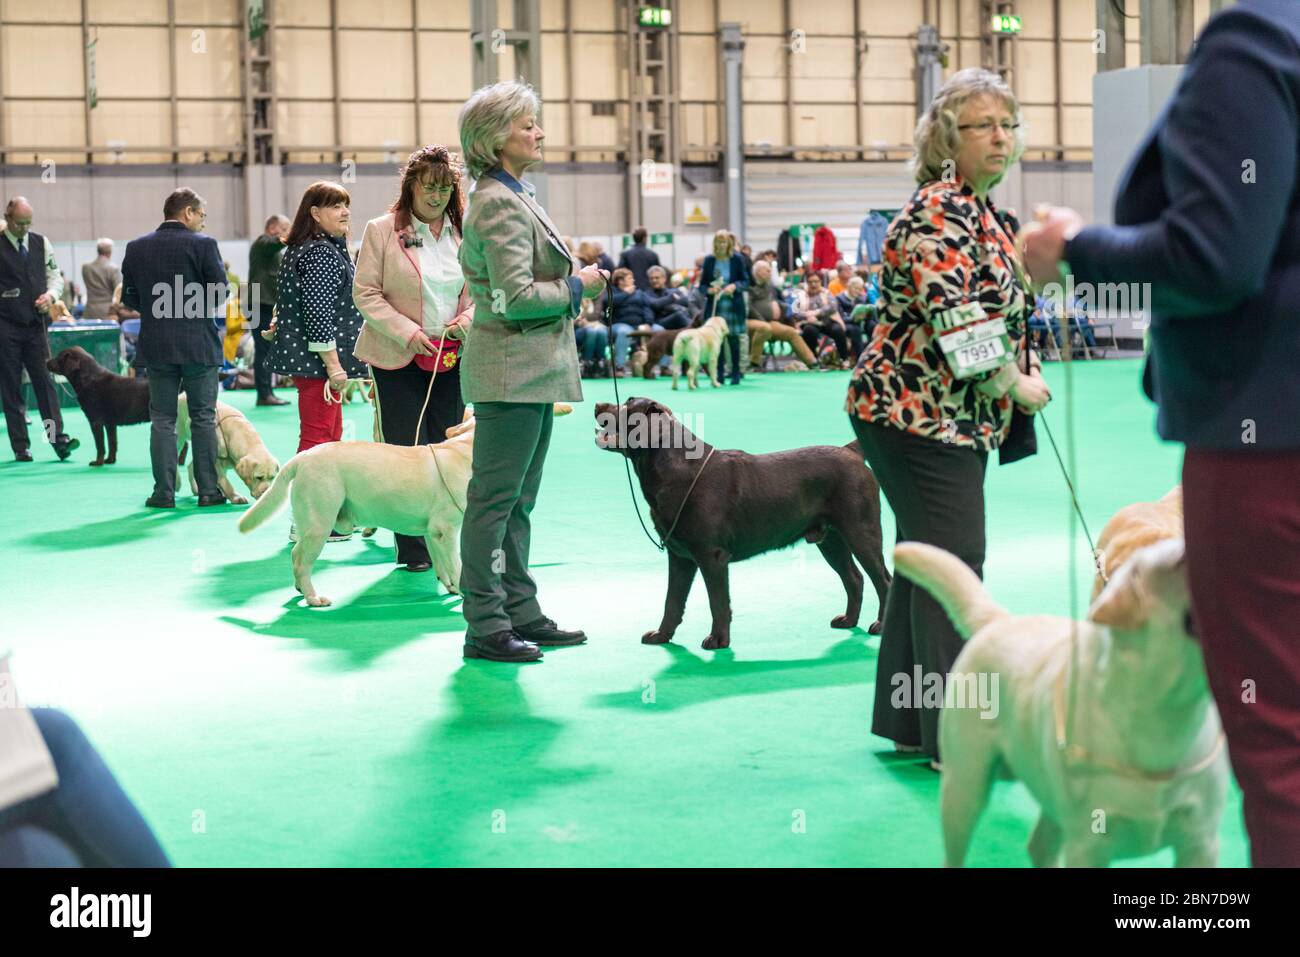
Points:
[(502, 646), (206, 501), (158, 501), (273, 400), (64, 449), (418, 566), (23, 456), (543, 631)]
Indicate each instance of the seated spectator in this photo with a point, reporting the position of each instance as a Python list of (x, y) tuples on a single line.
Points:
[(816, 315), (631, 311), (86, 821), (670, 306), (593, 347), (1044, 317), (1080, 320), (857, 309), (766, 320), (695, 298), (840, 284)]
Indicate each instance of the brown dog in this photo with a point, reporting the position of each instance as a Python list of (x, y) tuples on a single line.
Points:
[(657, 346), (108, 400), (715, 507), (1133, 528)]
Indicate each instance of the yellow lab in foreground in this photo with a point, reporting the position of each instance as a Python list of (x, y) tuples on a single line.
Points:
[(1109, 722), (414, 490)]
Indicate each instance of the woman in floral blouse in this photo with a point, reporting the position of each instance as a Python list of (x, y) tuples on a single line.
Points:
[(932, 393)]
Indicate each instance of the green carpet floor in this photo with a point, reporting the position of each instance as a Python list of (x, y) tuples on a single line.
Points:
[(252, 731)]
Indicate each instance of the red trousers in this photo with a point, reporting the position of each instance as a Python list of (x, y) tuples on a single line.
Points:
[(1242, 520), (318, 422)]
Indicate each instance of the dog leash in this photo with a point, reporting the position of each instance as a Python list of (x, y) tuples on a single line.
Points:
[(442, 342), (608, 316), (661, 545), (1097, 555)]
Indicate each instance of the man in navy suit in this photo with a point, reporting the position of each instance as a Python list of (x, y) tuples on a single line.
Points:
[(1207, 214), (639, 259), (174, 278)]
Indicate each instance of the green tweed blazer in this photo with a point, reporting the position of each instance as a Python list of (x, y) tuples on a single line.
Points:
[(521, 347)]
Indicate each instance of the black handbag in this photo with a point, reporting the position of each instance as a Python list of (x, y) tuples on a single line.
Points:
[(1021, 441)]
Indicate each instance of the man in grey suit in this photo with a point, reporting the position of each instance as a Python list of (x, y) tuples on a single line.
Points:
[(101, 277), (519, 359)]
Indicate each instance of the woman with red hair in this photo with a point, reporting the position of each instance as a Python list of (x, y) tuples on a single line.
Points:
[(411, 294)]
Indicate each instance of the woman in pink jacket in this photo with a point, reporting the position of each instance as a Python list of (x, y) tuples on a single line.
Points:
[(411, 294)]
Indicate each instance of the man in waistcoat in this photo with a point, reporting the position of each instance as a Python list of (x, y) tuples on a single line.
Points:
[(29, 284)]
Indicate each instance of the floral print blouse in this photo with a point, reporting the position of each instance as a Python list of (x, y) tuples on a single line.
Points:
[(945, 248)]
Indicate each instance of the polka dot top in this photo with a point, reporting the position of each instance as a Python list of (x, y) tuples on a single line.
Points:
[(315, 311)]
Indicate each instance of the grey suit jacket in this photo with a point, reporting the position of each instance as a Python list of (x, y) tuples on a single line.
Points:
[(101, 279), (521, 347)]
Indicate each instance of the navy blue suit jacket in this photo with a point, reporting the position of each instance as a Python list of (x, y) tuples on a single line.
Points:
[(639, 259), (1208, 213), (174, 278)]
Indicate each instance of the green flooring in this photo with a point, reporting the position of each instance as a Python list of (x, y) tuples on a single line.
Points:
[(252, 731)]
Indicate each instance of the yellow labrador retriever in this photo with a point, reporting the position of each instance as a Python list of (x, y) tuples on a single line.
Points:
[(239, 447), (1109, 723), (414, 490), (699, 347), (1134, 527)]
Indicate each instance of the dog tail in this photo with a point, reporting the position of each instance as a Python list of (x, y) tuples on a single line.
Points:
[(272, 499), (952, 584)]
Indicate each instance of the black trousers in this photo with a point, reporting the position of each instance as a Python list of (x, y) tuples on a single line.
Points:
[(262, 352), (813, 331), (26, 347), (400, 396), (936, 492), (857, 339), (729, 359)]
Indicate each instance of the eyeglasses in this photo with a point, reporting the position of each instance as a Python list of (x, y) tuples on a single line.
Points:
[(987, 127)]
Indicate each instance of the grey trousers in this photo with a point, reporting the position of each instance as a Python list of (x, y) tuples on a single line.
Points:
[(200, 385), (510, 443)]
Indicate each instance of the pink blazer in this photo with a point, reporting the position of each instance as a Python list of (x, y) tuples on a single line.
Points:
[(388, 292)]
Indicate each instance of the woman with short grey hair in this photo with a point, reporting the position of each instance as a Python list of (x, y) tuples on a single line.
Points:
[(934, 389), (520, 360)]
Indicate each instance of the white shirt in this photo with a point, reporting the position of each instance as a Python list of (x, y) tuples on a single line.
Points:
[(440, 275)]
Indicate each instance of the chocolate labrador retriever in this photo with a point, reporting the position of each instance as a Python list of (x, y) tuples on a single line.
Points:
[(108, 400), (714, 507)]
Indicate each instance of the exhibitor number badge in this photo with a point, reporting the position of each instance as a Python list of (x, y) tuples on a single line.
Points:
[(976, 348)]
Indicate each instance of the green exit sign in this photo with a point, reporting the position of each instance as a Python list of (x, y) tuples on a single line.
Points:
[(654, 16), (1006, 23)]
